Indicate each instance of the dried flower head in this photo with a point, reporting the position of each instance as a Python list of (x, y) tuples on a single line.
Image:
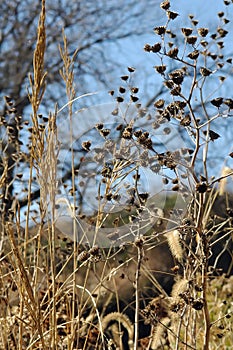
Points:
[(203, 31), (217, 101), (165, 5), (122, 90), (134, 98), (212, 134), (186, 121), (147, 48), (195, 22), (127, 133), (120, 99), (177, 76), (159, 103), (134, 90), (155, 48), (205, 72), (173, 52), (222, 32), (186, 31), (99, 126), (191, 40), (229, 102), (131, 69), (193, 55), (160, 30), (220, 14), (176, 91), (86, 145), (201, 187), (169, 84), (160, 69), (172, 15), (105, 132)]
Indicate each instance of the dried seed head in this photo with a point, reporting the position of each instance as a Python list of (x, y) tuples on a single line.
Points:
[(193, 55), (120, 99), (148, 48), (222, 32), (134, 90), (122, 90), (115, 111), (175, 181), (160, 30), (201, 187), (124, 77), (9, 101), (205, 72), (108, 196), (134, 98), (138, 133), (139, 242), (195, 22), (143, 196), (220, 45), (105, 132), (175, 188), (191, 40), (203, 31), (106, 171), (186, 121), (181, 104), (220, 14), (86, 145), (160, 69), (177, 76), (212, 134), (99, 126), (186, 31), (217, 101), (229, 102), (159, 103), (169, 84), (131, 69), (95, 251), (204, 43), (172, 14), (173, 52), (83, 256), (176, 91), (155, 48), (127, 133), (165, 5)]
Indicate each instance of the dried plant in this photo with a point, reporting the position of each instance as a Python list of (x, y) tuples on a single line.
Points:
[(130, 243)]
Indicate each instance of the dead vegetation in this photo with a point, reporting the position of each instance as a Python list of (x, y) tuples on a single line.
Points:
[(151, 269)]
